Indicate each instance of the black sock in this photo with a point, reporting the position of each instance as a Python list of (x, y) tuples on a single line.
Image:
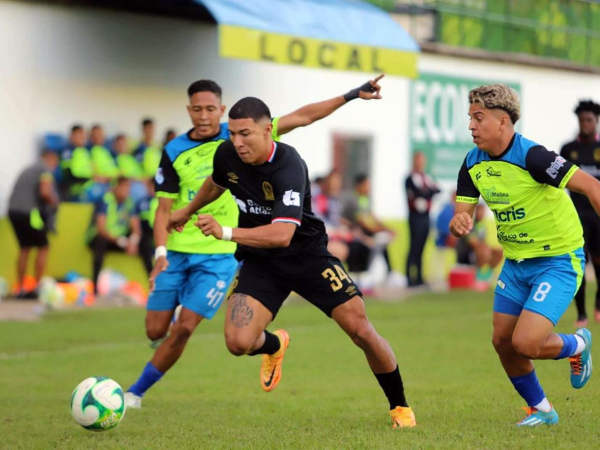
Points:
[(392, 386), (270, 346)]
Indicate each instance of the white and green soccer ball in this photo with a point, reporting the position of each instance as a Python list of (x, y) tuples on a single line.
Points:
[(98, 404)]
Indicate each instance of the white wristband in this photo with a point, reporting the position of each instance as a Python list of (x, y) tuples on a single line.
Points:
[(161, 251), (227, 233)]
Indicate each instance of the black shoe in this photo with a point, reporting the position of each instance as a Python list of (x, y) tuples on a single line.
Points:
[(31, 295)]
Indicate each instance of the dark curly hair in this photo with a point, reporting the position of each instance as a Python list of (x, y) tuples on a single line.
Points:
[(588, 106)]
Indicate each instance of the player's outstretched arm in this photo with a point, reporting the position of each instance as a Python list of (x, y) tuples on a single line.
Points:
[(208, 193), (583, 183), (275, 235), (316, 111), (462, 222)]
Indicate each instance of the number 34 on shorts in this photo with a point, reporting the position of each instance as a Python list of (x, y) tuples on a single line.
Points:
[(337, 276)]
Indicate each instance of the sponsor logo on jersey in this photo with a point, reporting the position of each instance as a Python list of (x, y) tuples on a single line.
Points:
[(204, 171), (251, 207), (555, 167), (268, 191), (159, 177), (233, 178), (492, 197), (574, 155), (597, 154), (511, 215), (493, 173), (478, 176), (291, 198)]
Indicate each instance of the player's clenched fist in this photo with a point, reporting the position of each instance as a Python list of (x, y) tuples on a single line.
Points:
[(461, 224), (209, 226)]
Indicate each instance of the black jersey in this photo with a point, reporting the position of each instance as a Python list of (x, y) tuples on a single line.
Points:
[(276, 191), (587, 157)]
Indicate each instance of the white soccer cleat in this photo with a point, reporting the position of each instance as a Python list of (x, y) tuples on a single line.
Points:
[(133, 401)]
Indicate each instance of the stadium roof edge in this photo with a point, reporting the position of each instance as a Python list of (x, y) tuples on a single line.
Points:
[(348, 21)]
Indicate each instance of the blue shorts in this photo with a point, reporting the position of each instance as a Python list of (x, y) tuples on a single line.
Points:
[(544, 286), (195, 281)]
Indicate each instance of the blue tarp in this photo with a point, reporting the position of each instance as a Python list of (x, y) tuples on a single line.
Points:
[(350, 21)]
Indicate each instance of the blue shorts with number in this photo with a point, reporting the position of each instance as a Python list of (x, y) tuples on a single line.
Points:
[(197, 282), (544, 286)]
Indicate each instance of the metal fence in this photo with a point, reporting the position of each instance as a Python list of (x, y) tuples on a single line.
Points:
[(564, 29)]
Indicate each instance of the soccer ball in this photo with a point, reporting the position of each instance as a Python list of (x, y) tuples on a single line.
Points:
[(98, 404)]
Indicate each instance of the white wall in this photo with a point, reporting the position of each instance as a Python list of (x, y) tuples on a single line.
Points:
[(64, 65)]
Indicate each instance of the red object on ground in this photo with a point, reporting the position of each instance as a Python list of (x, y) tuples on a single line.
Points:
[(462, 277)]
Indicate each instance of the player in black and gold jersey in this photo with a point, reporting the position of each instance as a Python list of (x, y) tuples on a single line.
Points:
[(282, 247), (585, 152)]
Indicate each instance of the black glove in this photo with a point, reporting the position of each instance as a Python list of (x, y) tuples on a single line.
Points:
[(354, 93)]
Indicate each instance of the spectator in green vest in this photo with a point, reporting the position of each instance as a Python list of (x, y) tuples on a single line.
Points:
[(104, 165), (76, 165), (114, 225), (127, 164)]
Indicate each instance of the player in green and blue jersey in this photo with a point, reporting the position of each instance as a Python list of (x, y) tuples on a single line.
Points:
[(198, 269), (540, 232)]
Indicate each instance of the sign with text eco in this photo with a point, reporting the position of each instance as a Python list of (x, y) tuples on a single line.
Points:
[(440, 121), (258, 45)]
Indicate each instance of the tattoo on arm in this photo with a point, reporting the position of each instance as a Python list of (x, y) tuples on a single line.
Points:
[(241, 313)]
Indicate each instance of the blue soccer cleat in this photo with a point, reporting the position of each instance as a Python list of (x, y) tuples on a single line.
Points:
[(536, 417), (581, 365)]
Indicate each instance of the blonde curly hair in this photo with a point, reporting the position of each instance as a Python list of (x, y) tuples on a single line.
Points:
[(499, 96)]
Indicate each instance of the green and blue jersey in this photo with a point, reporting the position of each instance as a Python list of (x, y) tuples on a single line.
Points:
[(524, 188), (185, 164)]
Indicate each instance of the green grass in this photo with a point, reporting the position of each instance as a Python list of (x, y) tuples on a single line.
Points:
[(328, 399)]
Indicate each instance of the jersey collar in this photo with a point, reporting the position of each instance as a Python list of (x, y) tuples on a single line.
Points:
[(510, 144), (273, 151)]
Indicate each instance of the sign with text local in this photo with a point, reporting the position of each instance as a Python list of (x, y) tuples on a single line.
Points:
[(440, 121), (246, 43)]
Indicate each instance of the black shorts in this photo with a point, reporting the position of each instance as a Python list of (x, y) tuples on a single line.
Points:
[(591, 232), (26, 235), (317, 276)]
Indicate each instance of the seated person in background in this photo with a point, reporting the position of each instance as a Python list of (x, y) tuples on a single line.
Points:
[(369, 230), (474, 250), (326, 205), (129, 167), (31, 210), (145, 209), (76, 166), (104, 167), (114, 226), (147, 152), (442, 224), (444, 241), (169, 136)]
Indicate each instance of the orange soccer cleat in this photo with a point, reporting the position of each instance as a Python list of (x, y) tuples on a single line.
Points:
[(403, 417), (270, 371)]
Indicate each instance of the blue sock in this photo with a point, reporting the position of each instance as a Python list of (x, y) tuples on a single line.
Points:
[(529, 388), (569, 346), (149, 376)]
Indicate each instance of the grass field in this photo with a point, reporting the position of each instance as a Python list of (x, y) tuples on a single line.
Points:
[(328, 399)]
